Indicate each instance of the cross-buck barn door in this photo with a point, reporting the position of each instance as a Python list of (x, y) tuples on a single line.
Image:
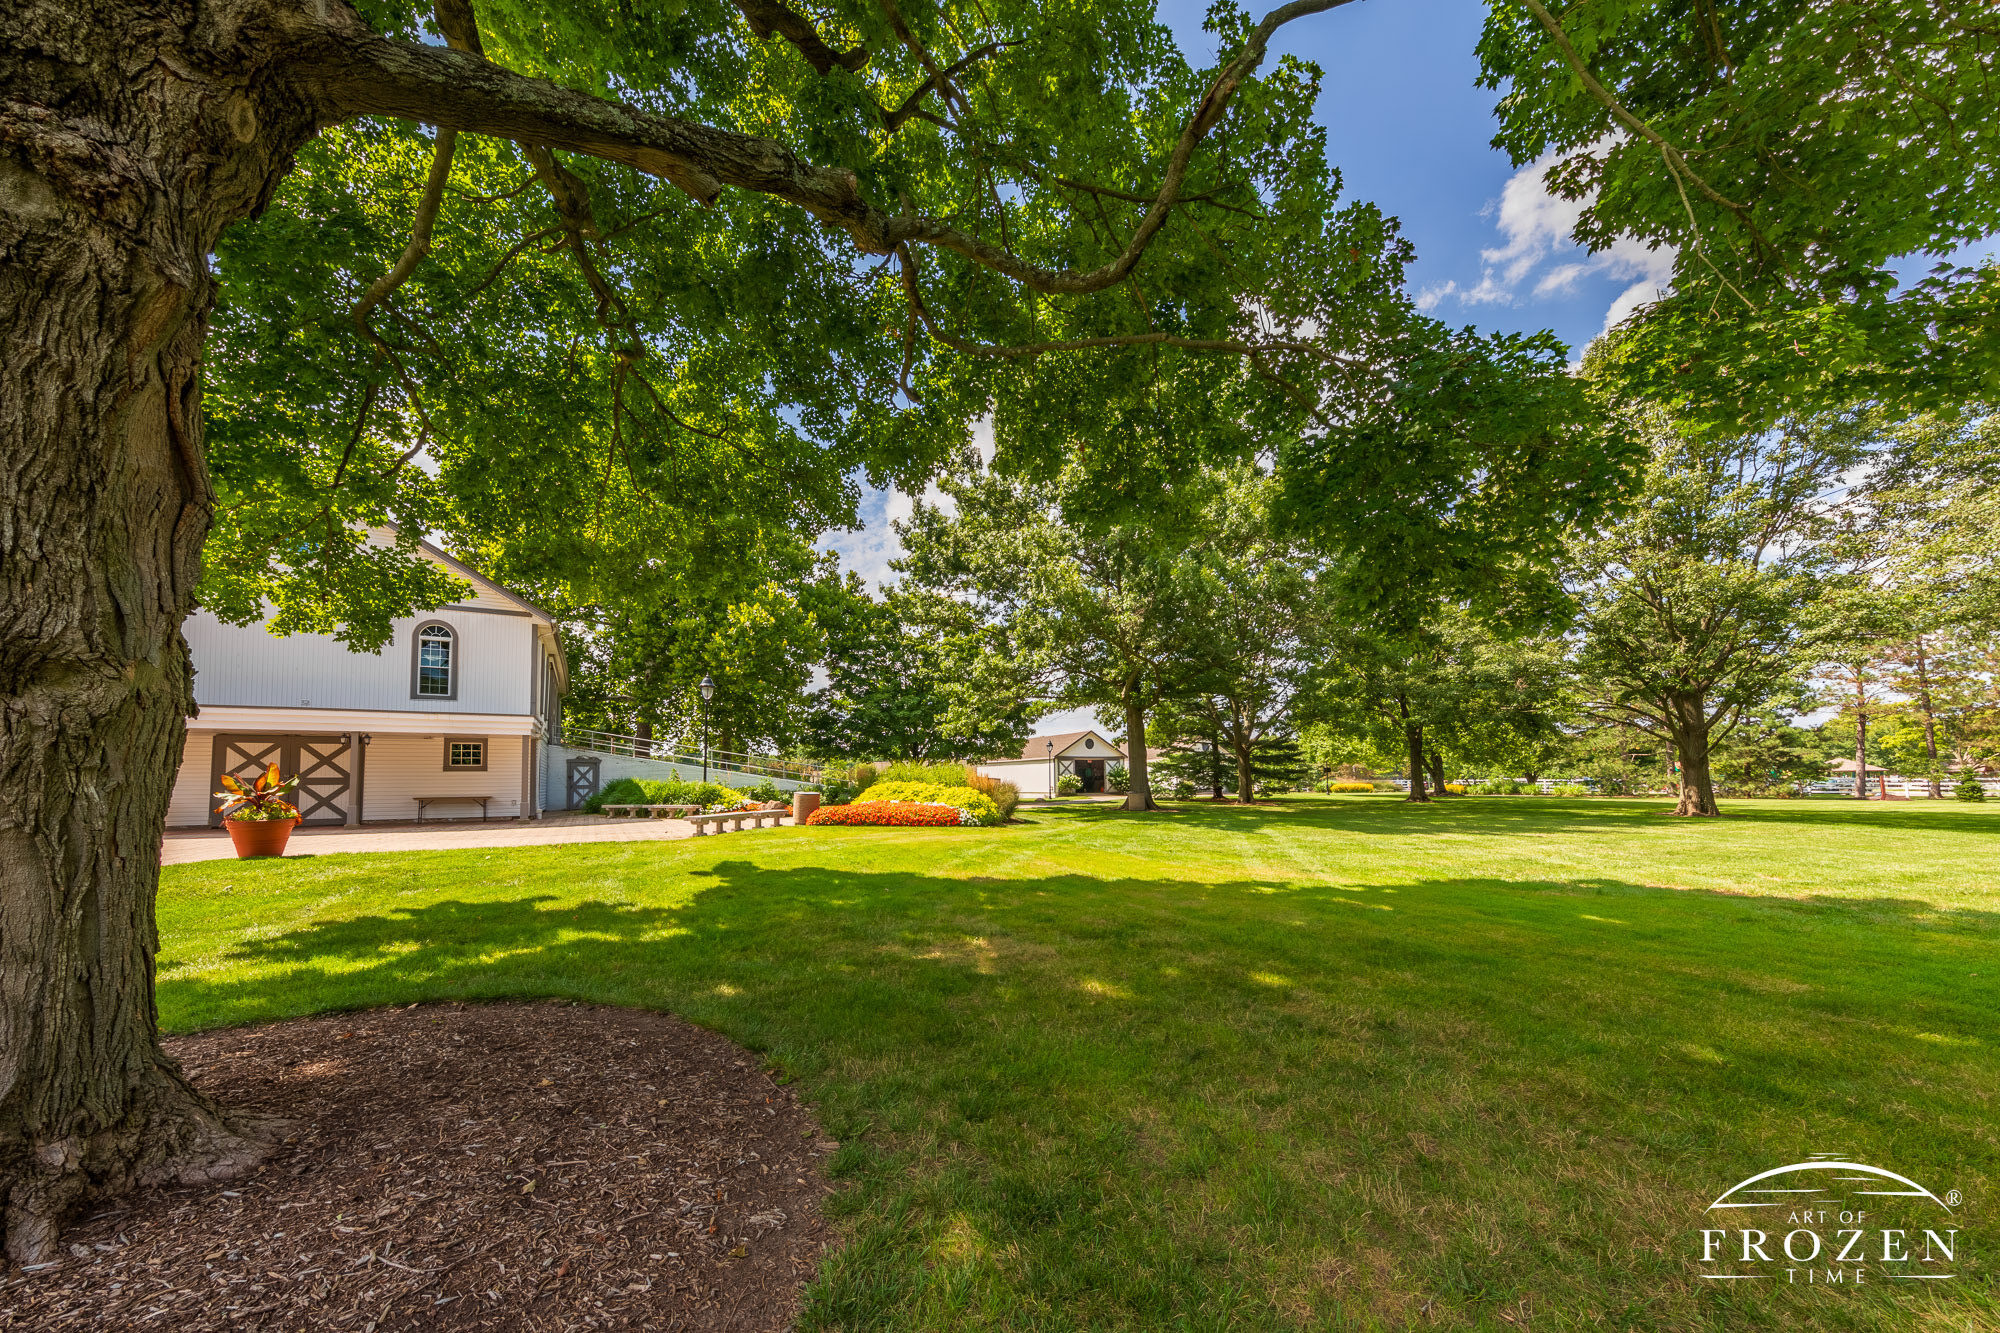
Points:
[(582, 782), (322, 763)]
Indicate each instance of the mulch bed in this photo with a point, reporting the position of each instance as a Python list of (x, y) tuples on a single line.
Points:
[(504, 1166)]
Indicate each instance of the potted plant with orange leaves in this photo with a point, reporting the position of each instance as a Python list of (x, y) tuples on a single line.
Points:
[(259, 818)]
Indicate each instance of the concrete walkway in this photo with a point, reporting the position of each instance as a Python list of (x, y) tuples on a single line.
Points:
[(183, 845)]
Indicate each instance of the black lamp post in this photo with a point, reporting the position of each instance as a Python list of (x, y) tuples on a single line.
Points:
[(1052, 767), (707, 693)]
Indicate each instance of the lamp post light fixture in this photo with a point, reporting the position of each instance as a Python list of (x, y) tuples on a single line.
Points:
[(707, 693), (1052, 767)]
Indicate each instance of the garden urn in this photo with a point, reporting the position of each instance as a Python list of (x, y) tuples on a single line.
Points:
[(259, 837)]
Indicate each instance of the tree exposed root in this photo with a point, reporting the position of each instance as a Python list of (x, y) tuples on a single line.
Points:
[(171, 1134)]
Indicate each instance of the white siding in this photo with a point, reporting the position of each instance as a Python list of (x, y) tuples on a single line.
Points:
[(191, 803), (246, 665), (611, 767), (402, 768), (1031, 776)]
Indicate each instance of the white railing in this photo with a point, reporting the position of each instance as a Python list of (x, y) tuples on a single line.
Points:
[(672, 752), (1913, 788)]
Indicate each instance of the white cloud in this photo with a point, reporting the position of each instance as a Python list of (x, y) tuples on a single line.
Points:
[(1535, 228)]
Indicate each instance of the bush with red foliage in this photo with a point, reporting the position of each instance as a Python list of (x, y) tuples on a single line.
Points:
[(895, 814)]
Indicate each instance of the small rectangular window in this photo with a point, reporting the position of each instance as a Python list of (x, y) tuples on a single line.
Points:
[(465, 754)]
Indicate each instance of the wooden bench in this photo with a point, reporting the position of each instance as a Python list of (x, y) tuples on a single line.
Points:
[(733, 819), (651, 811), (425, 802)]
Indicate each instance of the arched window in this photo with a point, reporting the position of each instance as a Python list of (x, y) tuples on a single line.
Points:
[(434, 666)]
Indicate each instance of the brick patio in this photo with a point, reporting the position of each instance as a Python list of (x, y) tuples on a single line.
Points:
[(183, 845)]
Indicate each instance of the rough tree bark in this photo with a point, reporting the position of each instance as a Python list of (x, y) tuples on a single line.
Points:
[(1413, 739), (1689, 724), (1139, 789), (1860, 745), (1437, 772), (116, 178), (1243, 743), (1921, 661)]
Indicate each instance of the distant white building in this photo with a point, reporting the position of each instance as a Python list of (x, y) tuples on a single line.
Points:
[(1046, 758), (449, 719)]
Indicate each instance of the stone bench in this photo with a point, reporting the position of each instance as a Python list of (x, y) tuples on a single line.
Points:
[(651, 811), (730, 820)]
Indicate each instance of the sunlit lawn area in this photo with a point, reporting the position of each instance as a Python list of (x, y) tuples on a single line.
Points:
[(1335, 1063)]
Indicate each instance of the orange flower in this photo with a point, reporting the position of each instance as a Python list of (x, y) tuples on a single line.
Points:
[(891, 814)]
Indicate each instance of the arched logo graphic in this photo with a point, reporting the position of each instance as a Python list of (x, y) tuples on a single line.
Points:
[(1832, 1222)]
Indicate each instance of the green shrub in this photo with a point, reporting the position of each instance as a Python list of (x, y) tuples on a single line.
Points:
[(1350, 786), (916, 770), (1003, 794), (1498, 787), (976, 803), (1117, 779), (1069, 784), (862, 776), (1183, 790), (834, 789), (1969, 789), (659, 791), (1570, 789), (764, 790)]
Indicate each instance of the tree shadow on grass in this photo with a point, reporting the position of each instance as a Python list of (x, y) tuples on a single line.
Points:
[(1135, 1100)]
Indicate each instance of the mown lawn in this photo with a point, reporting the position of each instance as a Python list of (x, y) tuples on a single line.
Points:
[(1336, 1063)]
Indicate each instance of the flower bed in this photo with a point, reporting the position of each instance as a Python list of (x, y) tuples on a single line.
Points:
[(975, 803), (895, 814)]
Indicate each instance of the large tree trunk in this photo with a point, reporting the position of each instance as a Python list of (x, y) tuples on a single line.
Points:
[(1860, 734), (117, 175), (1438, 787), (1860, 754), (1413, 740), (1139, 789), (1688, 718), (1930, 717), (1244, 746)]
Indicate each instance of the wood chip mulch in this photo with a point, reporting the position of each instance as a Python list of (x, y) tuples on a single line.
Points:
[(504, 1166)]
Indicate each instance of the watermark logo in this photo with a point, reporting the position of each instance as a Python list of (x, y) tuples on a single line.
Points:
[(1830, 1222)]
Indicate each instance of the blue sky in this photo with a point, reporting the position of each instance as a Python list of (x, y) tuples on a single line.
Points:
[(1408, 128)]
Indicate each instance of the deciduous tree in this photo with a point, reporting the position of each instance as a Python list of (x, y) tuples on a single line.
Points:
[(1696, 608), (1788, 154), (941, 194)]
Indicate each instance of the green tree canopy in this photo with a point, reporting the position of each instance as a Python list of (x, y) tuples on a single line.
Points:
[(1698, 608), (1789, 154)]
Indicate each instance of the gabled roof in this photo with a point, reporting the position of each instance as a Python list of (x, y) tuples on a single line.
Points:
[(486, 587), (1037, 746)]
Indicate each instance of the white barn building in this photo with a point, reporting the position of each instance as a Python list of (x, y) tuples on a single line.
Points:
[(449, 719), (1044, 759)]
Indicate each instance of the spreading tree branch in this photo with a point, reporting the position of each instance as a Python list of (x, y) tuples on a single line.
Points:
[(355, 72), (1675, 162), (768, 16)]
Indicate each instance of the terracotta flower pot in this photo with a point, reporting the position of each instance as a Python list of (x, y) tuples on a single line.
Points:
[(259, 837)]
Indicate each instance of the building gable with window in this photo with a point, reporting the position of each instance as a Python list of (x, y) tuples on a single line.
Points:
[(449, 719), (1046, 759)]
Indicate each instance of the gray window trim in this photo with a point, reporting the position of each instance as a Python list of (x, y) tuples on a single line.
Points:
[(485, 753), (416, 659)]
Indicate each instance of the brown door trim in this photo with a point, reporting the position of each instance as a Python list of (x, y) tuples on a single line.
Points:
[(324, 764)]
